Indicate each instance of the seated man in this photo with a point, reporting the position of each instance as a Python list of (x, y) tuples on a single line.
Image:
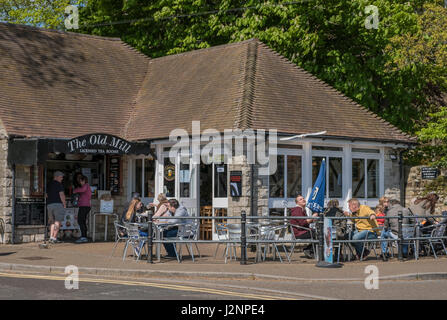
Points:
[(176, 211), (365, 228), (392, 226), (301, 233)]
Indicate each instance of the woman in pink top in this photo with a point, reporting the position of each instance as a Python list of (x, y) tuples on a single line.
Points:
[(85, 193)]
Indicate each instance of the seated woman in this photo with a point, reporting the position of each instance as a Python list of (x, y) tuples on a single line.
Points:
[(340, 225), (161, 209), (130, 214)]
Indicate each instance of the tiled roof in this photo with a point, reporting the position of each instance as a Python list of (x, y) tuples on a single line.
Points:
[(247, 85), (59, 84)]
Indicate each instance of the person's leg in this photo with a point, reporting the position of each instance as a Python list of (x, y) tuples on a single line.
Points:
[(169, 247), (385, 235), (359, 245), (82, 220)]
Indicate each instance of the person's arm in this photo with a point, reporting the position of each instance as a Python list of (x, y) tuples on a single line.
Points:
[(163, 208), (312, 220), (62, 195), (81, 189)]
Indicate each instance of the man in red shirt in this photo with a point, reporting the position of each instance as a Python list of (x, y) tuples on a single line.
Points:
[(300, 227)]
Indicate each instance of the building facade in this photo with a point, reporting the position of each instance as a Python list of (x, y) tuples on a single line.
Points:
[(244, 87)]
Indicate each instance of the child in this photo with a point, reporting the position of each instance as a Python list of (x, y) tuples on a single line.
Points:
[(380, 212)]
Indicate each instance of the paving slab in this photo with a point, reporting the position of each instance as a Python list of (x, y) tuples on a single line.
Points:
[(94, 259)]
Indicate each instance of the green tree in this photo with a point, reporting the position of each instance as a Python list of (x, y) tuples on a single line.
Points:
[(422, 54), (40, 13)]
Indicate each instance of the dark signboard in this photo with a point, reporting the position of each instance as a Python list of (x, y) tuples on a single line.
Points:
[(99, 143), (236, 183), (429, 173), (114, 174), (29, 211)]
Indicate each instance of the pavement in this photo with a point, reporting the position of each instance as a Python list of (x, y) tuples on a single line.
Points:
[(94, 259)]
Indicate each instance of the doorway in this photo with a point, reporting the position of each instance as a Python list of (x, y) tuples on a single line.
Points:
[(206, 200)]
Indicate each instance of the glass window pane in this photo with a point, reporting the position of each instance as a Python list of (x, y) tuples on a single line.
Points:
[(335, 177), (220, 181), (294, 176), (373, 178), (276, 185), (149, 177), (169, 178), (358, 178), (365, 150), (185, 178), (138, 175), (327, 148), (316, 164)]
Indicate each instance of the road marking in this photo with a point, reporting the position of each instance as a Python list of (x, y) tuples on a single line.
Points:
[(151, 284)]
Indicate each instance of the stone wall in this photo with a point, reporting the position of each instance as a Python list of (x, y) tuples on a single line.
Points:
[(418, 187), (5, 190), (260, 191)]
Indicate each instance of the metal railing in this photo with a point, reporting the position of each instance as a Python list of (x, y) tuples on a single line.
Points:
[(245, 241)]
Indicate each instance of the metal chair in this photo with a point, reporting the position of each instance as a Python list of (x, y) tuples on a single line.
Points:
[(234, 234), (312, 237), (369, 245), (185, 232), (222, 235), (134, 239), (121, 235), (410, 231), (274, 233), (438, 231)]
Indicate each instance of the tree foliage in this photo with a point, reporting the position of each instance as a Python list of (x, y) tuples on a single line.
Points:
[(397, 70), (41, 13)]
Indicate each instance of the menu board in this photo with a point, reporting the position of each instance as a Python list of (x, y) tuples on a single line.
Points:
[(236, 183), (114, 174), (429, 173), (29, 211)]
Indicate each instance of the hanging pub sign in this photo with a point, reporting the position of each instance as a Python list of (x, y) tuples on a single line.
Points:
[(429, 173), (236, 183), (99, 143)]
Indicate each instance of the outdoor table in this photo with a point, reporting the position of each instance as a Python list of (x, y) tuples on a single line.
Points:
[(107, 215)]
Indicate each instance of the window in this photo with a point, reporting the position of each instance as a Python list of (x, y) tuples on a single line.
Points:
[(220, 184), (286, 182), (149, 178), (276, 180), (365, 178), (185, 178), (144, 170), (293, 176), (168, 178), (334, 175), (36, 181)]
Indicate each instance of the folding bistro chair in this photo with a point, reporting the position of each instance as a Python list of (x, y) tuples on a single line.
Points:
[(134, 239), (234, 234), (222, 235), (121, 235), (438, 231)]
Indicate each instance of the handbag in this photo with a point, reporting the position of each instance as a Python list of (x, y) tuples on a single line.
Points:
[(75, 199)]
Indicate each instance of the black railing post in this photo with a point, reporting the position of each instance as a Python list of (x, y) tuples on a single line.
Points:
[(150, 237), (400, 236), (243, 237), (320, 235)]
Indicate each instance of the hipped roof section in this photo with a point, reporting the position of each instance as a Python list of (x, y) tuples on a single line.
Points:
[(59, 84)]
